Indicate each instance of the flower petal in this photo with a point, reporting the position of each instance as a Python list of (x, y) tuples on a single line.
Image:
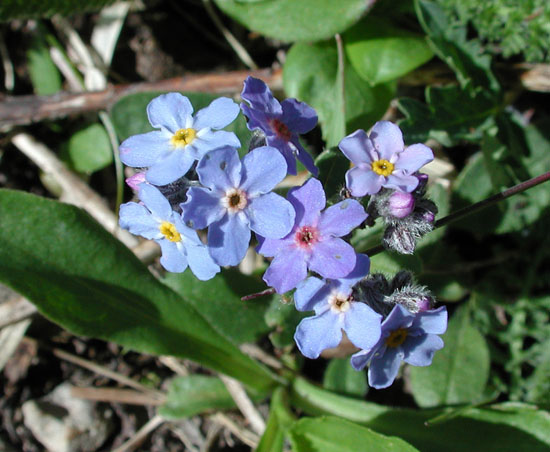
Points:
[(360, 359), (315, 334), (202, 208), (138, 220), (387, 139), (258, 95), (383, 369), (201, 263), (173, 258), (309, 293), (362, 325), (308, 201), (220, 169), (170, 168), (257, 119), (340, 219), (332, 258), (299, 117), (284, 149), (220, 113), (228, 240), (270, 215), (357, 147), (402, 182), (361, 269), (302, 155), (414, 157), (263, 169), (171, 111), (155, 201), (420, 350), (363, 181), (140, 151), (287, 269), (433, 321), (270, 247), (399, 317)]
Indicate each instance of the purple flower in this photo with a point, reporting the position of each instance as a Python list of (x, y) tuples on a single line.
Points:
[(281, 122), (314, 241), (180, 245), (335, 310), (408, 337), (400, 204), (182, 139), (381, 161), (237, 199)]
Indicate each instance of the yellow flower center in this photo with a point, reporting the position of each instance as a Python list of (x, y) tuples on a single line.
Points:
[(396, 337), (169, 231), (382, 167), (183, 137)]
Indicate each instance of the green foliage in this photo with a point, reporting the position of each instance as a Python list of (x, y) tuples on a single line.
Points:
[(311, 75), (288, 20), (380, 51), (340, 377), (194, 394), (508, 27), (459, 371), (27, 9), (92, 285), (89, 149), (283, 318), (280, 420), (44, 75), (332, 165)]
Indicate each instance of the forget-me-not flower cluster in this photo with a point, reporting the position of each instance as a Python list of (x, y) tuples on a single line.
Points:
[(191, 183)]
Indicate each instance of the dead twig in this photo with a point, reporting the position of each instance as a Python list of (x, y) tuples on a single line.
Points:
[(140, 435), (116, 395), (246, 436)]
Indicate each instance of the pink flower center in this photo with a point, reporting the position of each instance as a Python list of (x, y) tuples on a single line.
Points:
[(306, 237), (280, 129)]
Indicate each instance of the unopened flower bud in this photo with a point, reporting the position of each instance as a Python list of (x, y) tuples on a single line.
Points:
[(134, 181), (401, 204), (400, 238)]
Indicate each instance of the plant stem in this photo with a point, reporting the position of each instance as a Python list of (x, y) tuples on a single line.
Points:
[(459, 214)]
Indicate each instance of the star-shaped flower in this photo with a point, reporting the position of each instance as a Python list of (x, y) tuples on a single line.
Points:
[(280, 122), (381, 160), (182, 139)]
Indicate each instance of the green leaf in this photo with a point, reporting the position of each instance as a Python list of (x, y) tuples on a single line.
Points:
[(283, 318), (289, 20), (129, 114), (449, 42), (27, 9), (336, 434), (332, 165), (279, 421), (459, 372), (311, 75), (44, 75), (340, 377), (494, 428), (449, 116), (389, 263), (82, 278), (195, 394), (380, 52), (89, 149), (219, 302)]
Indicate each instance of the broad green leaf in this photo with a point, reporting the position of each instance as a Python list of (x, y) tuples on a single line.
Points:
[(389, 263), (494, 428), (380, 52), (449, 116), (332, 165), (283, 318), (82, 278), (26, 9), (368, 237), (340, 377), (311, 74), (44, 75), (89, 149), (336, 434), (291, 20), (459, 371), (129, 114), (219, 302), (465, 57), (279, 421), (195, 394)]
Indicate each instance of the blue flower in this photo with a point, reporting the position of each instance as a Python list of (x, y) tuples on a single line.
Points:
[(408, 337), (180, 245), (314, 242), (182, 139), (335, 310), (237, 198), (280, 122), (381, 160)]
